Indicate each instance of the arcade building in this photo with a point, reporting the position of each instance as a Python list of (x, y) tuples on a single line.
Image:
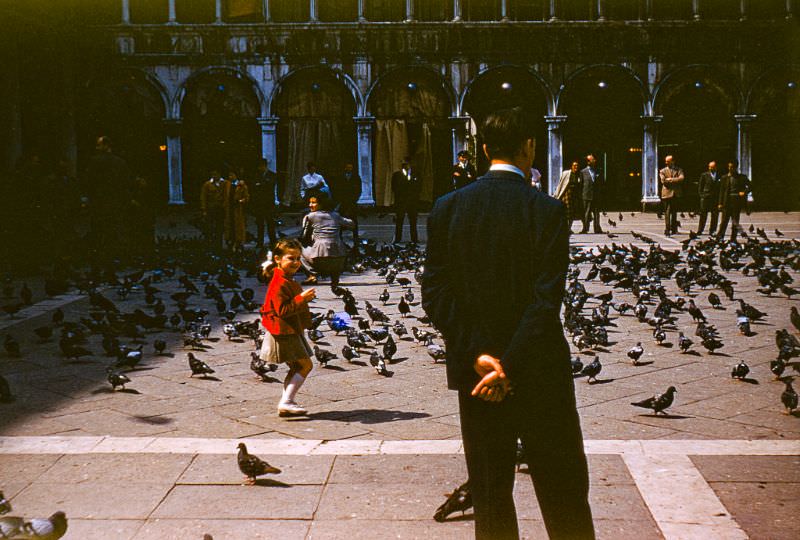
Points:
[(184, 86)]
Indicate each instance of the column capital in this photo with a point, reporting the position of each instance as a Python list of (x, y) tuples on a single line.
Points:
[(555, 121), (744, 118), (651, 118), (267, 121), (456, 120), (364, 121)]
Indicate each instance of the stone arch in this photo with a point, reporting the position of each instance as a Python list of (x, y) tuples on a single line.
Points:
[(315, 107), (341, 76), (773, 104), (176, 103), (503, 86), (706, 75), (603, 105), (411, 105)]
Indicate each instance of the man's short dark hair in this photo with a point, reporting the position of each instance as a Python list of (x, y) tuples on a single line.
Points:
[(504, 132)]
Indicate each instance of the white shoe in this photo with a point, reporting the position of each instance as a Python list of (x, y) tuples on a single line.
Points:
[(291, 409)]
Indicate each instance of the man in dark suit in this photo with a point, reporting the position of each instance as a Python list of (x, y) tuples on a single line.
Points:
[(463, 172), (262, 203), (592, 184), (346, 190), (406, 187), (493, 284), (708, 189), (733, 191)]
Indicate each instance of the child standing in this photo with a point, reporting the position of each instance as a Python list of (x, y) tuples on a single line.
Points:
[(285, 315)]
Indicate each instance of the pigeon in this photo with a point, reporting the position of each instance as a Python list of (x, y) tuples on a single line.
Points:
[(592, 370), (403, 281), (658, 402), (314, 335), (260, 367), (58, 316), (43, 333), (695, 312), (198, 367), (323, 356), (714, 300), (740, 370), (5, 506), (5, 391), (577, 365), (403, 307), (660, 335), (436, 352), (421, 335), (635, 353), (789, 397), (11, 346), (794, 316), (712, 344), (751, 312), (378, 363), (458, 500), (253, 466), (409, 295), (159, 345), (50, 528), (384, 296), (684, 342), (117, 379), (230, 330), (399, 329), (777, 367), (349, 353), (743, 324), (389, 349)]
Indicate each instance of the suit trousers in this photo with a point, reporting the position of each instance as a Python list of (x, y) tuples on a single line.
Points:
[(402, 210), (268, 219), (550, 431), (708, 206), (731, 213), (670, 215), (591, 212)]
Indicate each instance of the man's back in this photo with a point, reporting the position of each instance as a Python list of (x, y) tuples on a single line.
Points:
[(496, 239)]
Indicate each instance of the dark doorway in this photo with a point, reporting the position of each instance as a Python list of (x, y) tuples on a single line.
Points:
[(603, 107), (219, 129)]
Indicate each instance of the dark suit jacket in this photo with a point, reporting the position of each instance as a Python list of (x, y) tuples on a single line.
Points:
[(494, 278), (707, 188), (463, 176), (109, 182), (405, 191), (591, 190), (346, 192), (730, 189), (262, 194)]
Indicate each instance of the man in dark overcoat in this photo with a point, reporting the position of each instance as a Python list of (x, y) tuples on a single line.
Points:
[(406, 187), (262, 203), (493, 283), (708, 190), (592, 184), (346, 190)]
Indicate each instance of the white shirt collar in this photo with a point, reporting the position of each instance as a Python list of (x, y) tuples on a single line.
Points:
[(507, 167)]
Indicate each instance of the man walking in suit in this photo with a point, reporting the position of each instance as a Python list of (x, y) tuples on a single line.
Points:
[(493, 284), (733, 191), (592, 184), (262, 203), (708, 189), (463, 171), (346, 190), (406, 187), (671, 178)]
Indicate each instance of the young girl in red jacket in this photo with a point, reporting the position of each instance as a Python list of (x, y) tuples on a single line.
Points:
[(285, 315)]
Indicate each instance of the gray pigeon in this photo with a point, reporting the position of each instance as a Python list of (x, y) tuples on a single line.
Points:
[(659, 402), (5, 506)]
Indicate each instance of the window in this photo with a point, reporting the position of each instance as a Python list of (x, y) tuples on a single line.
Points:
[(195, 11), (480, 10), (720, 9), (529, 10), (337, 10), (385, 10), (672, 10), (433, 10), (149, 11), (576, 10), (625, 10)]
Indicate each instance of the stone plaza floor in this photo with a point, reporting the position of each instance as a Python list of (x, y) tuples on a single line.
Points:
[(376, 455)]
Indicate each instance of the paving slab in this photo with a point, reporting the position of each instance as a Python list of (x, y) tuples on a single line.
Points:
[(102, 529), (223, 529), (223, 469), (122, 469), (762, 510), (270, 499), (369, 529)]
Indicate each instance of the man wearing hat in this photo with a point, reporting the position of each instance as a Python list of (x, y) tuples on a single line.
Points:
[(463, 171)]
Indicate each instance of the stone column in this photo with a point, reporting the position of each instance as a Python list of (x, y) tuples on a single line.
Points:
[(553, 13), (743, 143), (650, 159), (459, 125), (364, 128), (554, 151), (362, 6), (217, 11), (789, 9), (456, 10), (743, 9), (410, 11), (265, 9), (503, 10), (312, 11), (601, 10), (648, 10), (172, 18), (696, 10), (174, 160), (126, 12), (269, 139)]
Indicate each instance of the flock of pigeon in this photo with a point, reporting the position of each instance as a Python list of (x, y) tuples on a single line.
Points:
[(211, 289)]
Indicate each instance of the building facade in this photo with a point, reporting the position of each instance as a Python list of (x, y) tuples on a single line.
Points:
[(188, 86)]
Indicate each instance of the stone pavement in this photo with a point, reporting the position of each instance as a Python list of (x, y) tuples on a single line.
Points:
[(376, 455)]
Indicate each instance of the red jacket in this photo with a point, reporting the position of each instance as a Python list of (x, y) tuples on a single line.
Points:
[(284, 310)]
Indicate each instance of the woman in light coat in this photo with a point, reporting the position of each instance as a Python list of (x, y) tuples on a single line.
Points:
[(322, 234)]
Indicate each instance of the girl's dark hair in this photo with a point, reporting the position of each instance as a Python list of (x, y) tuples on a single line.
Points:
[(281, 247), (505, 131)]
